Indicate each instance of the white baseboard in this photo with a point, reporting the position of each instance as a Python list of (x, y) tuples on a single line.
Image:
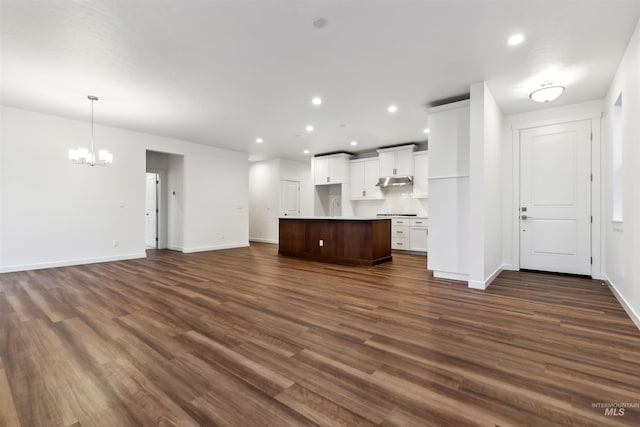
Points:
[(215, 248), (509, 267), (69, 262), (451, 276), (174, 248), (260, 240), (635, 318), (484, 284)]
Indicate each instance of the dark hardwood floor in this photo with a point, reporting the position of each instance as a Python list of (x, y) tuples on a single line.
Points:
[(244, 337)]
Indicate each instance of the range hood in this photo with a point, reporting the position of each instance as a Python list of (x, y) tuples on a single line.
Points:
[(394, 181)]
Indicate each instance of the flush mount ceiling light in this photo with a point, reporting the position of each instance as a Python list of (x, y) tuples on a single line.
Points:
[(515, 40), (82, 156), (309, 128), (306, 151), (547, 93), (354, 143), (259, 140), (316, 100), (392, 108), (426, 130)]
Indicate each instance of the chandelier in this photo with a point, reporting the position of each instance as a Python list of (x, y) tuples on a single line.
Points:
[(82, 156)]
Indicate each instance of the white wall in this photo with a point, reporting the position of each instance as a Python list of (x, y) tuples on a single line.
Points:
[(265, 195), (297, 171), (175, 202), (622, 240), (485, 221), (54, 213)]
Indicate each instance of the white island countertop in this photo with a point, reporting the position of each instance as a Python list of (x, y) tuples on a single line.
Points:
[(338, 218)]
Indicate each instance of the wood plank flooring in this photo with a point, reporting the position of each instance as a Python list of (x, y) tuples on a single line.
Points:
[(243, 337)]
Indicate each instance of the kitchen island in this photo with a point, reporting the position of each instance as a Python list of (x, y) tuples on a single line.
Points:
[(339, 240)]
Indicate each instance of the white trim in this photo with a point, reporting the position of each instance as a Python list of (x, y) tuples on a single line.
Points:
[(174, 248), (484, 284), (508, 267), (450, 106), (451, 276), (597, 254), (596, 186), (215, 248), (70, 262), (448, 177), (162, 214), (524, 124), (260, 240), (635, 318)]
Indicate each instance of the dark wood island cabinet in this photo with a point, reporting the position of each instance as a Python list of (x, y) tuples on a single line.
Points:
[(340, 240)]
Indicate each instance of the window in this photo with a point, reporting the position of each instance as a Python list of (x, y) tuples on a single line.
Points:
[(617, 158)]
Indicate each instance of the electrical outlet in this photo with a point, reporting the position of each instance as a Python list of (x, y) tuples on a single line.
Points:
[(321, 242)]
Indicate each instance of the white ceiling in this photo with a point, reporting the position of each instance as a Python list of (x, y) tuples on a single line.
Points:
[(226, 72)]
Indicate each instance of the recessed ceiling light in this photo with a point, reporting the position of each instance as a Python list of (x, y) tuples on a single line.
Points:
[(309, 128), (546, 93), (515, 39), (392, 108), (316, 100), (306, 151), (259, 140), (426, 130), (354, 143)]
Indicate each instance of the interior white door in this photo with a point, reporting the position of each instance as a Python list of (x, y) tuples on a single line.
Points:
[(555, 198), (290, 198), (151, 210)]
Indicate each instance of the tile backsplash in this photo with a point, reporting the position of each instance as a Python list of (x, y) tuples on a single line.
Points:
[(396, 200)]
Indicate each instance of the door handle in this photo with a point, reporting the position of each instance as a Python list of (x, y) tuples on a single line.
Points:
[(526, 217)]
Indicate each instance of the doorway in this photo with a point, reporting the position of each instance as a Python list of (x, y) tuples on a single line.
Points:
[(290, 197), (152, 210), (555, 198)]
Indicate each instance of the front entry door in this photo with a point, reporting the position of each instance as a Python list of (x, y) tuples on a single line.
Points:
[(555, 198), (291, 198)]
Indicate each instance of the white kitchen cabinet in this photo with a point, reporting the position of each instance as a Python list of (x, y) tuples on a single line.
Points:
[(333, 169), (409, 234), (364, 176), (449, 189), (418, 239), (421, 175), (396, 161)]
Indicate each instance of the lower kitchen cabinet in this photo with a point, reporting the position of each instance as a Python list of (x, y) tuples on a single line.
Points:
[(409, 234)]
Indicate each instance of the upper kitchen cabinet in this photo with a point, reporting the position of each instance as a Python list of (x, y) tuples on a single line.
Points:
[(364, 176), (396, 161), (332, 169), (421, 175)]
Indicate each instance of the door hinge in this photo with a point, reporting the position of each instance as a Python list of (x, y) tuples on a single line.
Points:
[(591, 260), (591, 219), (157, 182), (156, 239), (592, 136), (591, 177), (157, 211)]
